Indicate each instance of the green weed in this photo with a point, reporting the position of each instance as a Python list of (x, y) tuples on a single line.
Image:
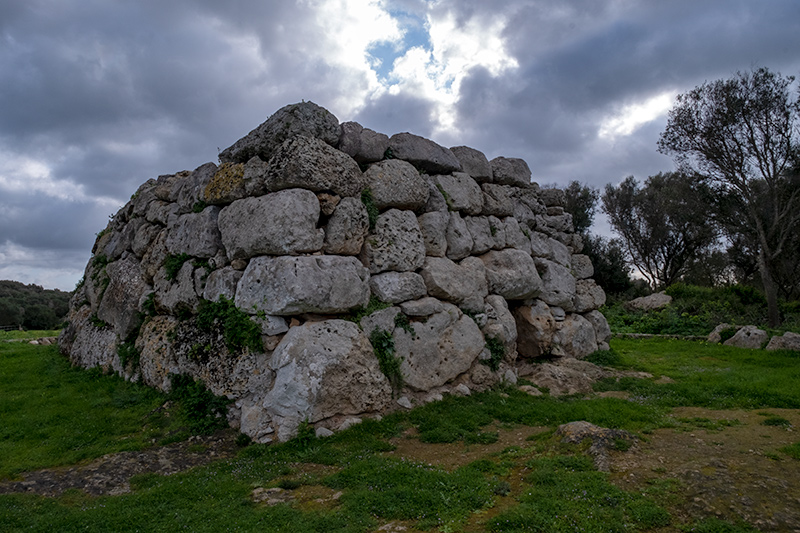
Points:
[(173, 264), (238, 329)]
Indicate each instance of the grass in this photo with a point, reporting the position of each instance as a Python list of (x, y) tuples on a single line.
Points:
[(54, 414), (27, 335)]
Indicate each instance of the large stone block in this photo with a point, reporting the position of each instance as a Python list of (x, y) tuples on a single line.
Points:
[(463, 284), (309, 284), (306, 118), (284, 222), (324, 369), (396, 183), (510, 171), (474, 163), (196, 234), (460, 192), (576, 337), (120, 304), (458, 237), (362, 144), (347, 228), (439, 349), (588, 296), (396, 287), (536, 327), (558, 284), (395, 244), (423, 153), (433, 226), (511, 274), (311, 164)]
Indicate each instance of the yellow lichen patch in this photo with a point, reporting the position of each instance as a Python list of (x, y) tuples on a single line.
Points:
[(229, 178)]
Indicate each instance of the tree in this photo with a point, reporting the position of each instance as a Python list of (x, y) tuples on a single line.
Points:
[(611, 270), (581, 203), (663, 225), (742, 135)]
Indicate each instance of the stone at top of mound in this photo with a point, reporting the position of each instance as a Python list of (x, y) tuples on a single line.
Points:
[(305, 118), (657, 300)]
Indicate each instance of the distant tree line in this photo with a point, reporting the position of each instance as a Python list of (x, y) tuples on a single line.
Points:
[(32, 306), (730, 213)]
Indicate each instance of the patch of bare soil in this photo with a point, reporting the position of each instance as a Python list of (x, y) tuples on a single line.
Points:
[(111, 474), (730, 470)]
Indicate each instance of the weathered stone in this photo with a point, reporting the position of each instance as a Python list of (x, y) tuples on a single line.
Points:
[(328, 203), (463, 284), (549, 248), (529, 197), (748, 337), (558, 285), (222, 282), (395, 244), (324, 369), (474, 163), (601, 328), (382, 320), (556, 223), (305, 118), (362, 144), (347, 228), (436, 201), (196, 234), (159, 212), (396, 183), (226, 185), (422, 307), (458, 237), (311, 164), (481, 234), (119, 306), (310, 284), (87, 345), (176, 295), (121, 240), (512, 274), (439, 349), (497, 200), (588, 296), (552, 197), (433, 227), (145, 235), (255, 177), (284, 222), (515, 236), (460, 192), (524, 216), (576, 337), (787, 341), (715, 337), (500, 325), (423, 153), (271, 325), (189, 190), (395, 287), (657, 300), (510, 171), (154, 257), (582, 266), (535, 329)]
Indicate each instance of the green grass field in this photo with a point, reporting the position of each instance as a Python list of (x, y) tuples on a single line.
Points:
[(53, 414)]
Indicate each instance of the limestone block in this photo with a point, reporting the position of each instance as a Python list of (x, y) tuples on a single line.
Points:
[(309, 163), (284, 222), (324, 369), (119, 306), (439, 349), (395, 244), (423, 307), (536, 328), (145, 235), (497, 200), (347, 228), (459, 239), (657, 300), (460, 192), (576, 337), (396, 183), (557, 223), (159, 212), (423, 153), (176, 295), (362, 144), (481, 234), (787, 341), (510, 171), (155, 256), (436, 201), (588, 296), (433, 226), (289, 285), (86, 345), (553, 197), (382, 319), (189, 189), (515, 236), (582, 266), (558, 285), (474, 163), (226, 185), (395, 287), (222, 282), (121, 240), (196, 234), (463, 284), (500, 324), (601, 328), (512, 274), (748, 337), (549, 248), (305, 118)]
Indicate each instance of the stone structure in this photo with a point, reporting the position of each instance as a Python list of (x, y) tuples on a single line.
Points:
[(306, 224)]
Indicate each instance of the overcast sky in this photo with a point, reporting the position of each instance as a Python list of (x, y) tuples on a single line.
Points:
[(97, 96)]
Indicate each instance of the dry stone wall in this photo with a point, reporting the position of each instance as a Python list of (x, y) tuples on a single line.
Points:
[(324, 272)]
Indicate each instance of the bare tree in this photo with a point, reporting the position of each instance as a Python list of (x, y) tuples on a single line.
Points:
[(742, 135)]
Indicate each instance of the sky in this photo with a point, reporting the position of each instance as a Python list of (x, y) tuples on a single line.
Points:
[(97, 96)]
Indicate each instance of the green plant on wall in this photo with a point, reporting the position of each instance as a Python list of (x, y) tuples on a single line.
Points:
[(372, 209), (238, 329), (383, 345), (497, 351)]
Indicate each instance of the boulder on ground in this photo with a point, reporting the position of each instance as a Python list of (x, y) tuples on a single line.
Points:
[(576, 337), (787, 341), (536, 328), (748, 337), (657, 300)]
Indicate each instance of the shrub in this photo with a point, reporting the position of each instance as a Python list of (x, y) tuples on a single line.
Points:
[(202, 410), (383, 346), (497, 350), (173, 264), (237, 328)]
